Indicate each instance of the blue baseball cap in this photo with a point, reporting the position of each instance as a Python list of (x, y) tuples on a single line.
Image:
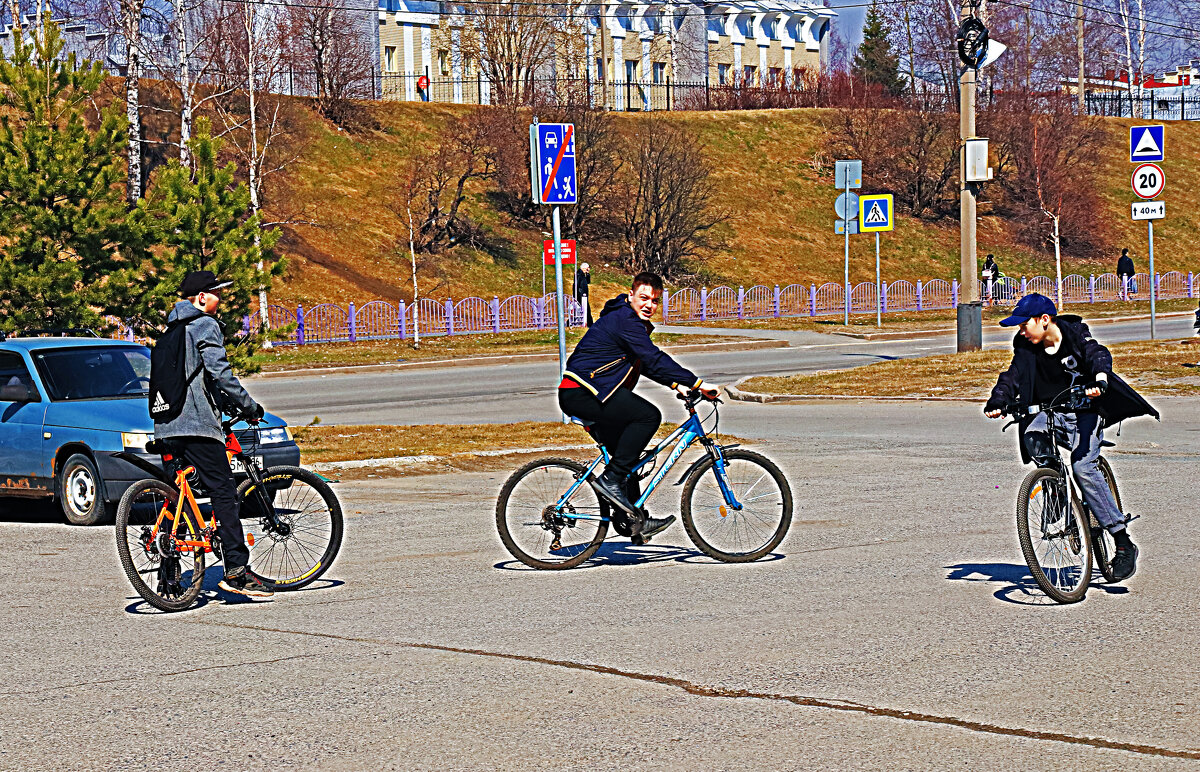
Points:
[(1028, 307)]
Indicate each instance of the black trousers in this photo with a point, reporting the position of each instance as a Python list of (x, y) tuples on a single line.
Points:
[(216, 478), (625, 424)]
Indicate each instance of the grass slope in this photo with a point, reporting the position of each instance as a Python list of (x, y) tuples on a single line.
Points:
[(768, 174)]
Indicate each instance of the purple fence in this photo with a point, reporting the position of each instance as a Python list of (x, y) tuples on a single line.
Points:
[(380, 320), (761, 301)]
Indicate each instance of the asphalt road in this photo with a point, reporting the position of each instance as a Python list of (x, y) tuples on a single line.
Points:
[(525, 392), (896, 628)]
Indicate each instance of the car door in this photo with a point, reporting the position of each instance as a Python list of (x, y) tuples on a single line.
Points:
[(22, 467)]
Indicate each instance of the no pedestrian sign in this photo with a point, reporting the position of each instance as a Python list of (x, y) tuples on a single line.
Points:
[(552, 156)]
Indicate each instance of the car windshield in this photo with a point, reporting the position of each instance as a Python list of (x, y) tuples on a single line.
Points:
[(95, 372)]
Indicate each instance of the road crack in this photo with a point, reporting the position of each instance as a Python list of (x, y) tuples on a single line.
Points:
[(701, 690)]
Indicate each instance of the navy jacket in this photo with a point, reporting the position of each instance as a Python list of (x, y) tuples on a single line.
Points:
[(1016, 384), (617, 348)]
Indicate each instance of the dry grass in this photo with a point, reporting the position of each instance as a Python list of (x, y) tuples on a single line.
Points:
[(445, 347), (1153, 367)]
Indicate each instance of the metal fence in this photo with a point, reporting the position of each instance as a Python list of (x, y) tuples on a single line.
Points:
[(764, 302), (1121, 104)]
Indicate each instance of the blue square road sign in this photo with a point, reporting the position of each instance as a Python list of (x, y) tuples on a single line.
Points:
[(1147, 143), (875, 213), (552, 155)]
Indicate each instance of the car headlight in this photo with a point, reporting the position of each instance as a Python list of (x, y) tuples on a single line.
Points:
[(274, 436), (135, 440)]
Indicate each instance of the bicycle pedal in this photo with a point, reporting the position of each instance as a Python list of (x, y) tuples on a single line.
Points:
[(1130, 518)]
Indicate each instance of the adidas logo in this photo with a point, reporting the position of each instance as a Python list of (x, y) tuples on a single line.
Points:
[(160, 404)]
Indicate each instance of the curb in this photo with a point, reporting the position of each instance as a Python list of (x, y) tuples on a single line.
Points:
[(503, 359), (914, 334), (753, 396), (403, 461)]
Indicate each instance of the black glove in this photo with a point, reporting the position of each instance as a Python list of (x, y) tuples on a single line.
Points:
[(256, 415), (993, 404)]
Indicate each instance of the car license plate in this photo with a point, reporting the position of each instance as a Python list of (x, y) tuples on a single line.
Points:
[(238, 467)]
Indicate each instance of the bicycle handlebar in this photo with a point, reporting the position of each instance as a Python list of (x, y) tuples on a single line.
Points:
[(1075, 399)]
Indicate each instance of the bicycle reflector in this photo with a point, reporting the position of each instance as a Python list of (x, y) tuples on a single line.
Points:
[(249, 540)]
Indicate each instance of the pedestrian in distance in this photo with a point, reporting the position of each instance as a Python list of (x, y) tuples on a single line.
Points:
[(1051, 355), (598, 387), (990, 274), (191, 430), (583, 278), (1126, 272)]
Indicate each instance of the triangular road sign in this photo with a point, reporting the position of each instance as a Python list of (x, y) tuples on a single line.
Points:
[(1146, 145), (876, 216)]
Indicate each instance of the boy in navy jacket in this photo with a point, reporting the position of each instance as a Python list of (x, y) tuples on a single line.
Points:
[(598, 387), (1052, 354)]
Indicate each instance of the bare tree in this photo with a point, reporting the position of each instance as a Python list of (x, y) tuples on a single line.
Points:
[(131, 30), (322, 37), (517, 44), (670, 205)]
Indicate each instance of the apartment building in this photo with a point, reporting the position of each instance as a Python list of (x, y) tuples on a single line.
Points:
[(609, 47)]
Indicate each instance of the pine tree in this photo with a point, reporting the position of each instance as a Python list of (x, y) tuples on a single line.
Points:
[(71, 253), (875, 62), (205, 220)]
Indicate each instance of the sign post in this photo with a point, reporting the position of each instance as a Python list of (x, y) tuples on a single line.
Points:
[(847, 175), (552, 158), (1146, 145), (875, 214)]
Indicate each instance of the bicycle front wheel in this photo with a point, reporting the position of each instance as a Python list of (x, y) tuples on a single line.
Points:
[(167, 576), (1103, 545), (737, 535), (298, 528), (1054, 536), (536, 529)]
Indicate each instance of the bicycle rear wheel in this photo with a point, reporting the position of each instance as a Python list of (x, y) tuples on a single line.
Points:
[(1103, 546), (535, 530), (300, 543), (166, 576), (1054, 536), (737, 536)]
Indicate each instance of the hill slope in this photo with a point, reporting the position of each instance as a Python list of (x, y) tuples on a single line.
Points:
[(767, 174)]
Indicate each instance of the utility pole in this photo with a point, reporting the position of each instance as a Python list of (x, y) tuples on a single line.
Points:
[(970, 310), (1079, 50)]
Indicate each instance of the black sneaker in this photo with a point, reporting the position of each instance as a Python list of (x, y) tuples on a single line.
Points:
[(243, 582), (650, 527), (608, 486), (1124, 562)]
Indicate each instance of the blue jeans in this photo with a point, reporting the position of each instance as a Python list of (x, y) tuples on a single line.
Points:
[(1083, 433)]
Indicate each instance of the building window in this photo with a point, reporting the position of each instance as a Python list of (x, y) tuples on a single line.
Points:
[(443, 61), (389, 58), (660, 72), (776, 76), (772, 28), (599, 70), (631, 66), (748, 74), (722, 74)]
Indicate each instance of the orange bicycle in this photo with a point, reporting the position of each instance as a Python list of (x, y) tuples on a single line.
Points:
[(163, 536)]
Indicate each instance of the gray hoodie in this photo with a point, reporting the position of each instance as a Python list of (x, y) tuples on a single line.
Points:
[(206, 343)]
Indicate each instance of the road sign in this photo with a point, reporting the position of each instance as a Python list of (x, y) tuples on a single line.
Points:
[(875, 213), (847, 174), (423, 83), (1149, 210), (552, 156), (846, 205), (568, 252), (1147, 143), (1148, 180), (839, 227)]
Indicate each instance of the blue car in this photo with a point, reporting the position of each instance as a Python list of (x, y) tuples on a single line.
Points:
[(67, 405)]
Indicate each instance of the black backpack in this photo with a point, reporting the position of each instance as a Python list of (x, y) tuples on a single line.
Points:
[(168, 382)]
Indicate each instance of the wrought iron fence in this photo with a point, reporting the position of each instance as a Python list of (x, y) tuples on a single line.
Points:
[(1122, 104)]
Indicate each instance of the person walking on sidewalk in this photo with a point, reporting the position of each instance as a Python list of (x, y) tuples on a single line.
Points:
[(583, 278), (1126, 272)]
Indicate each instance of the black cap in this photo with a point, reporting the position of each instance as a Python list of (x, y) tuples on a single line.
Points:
[(200, 281)]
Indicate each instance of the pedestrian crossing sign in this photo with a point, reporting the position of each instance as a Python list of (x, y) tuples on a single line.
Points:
[(875, 212)]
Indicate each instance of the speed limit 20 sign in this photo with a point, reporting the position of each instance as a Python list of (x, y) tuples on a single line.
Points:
[(1148, 180)]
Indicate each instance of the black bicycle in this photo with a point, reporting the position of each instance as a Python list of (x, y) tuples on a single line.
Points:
[(1060, 536), (292, 518)]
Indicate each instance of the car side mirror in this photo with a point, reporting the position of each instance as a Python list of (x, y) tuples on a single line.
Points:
[(18, 392)]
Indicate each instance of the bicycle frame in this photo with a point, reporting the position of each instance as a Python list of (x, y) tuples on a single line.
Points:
[(185, 497), (683, 438)]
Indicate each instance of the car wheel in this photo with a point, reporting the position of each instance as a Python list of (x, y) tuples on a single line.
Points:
[(81, 492)]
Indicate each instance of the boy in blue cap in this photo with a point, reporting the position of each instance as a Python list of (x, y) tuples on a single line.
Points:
[(1051, 354)]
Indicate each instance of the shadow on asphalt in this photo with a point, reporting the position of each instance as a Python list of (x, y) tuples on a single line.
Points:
[(31, 512), (211, 591), (1021, 589), (624, 553)]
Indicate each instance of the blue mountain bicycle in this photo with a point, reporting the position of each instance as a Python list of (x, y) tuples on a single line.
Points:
[(736, 504)]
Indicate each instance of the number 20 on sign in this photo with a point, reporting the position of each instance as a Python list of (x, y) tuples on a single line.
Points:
[(1148, 180)]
